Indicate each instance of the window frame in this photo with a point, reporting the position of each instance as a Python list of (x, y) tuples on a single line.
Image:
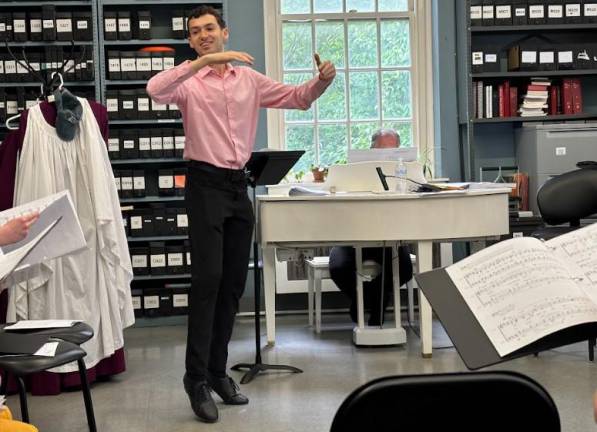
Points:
[(419, 14)]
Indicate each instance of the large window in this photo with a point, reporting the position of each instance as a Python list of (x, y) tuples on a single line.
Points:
[(371, 44)]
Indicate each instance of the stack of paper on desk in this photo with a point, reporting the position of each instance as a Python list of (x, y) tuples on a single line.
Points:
[(303, 191)]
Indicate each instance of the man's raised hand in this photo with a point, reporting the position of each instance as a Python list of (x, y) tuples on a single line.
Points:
[(327, 71)]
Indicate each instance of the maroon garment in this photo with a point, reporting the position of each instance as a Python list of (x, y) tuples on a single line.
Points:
[(48, 383)]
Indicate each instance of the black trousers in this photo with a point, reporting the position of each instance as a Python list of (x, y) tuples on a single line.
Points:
[(220, 226), (343, 272)]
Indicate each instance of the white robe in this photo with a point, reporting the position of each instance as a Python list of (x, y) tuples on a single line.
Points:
[(93, 285)]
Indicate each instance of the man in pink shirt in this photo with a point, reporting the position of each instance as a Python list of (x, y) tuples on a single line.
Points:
[(220, 103)]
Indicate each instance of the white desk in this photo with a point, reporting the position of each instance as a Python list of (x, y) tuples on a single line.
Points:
[(421, 219)]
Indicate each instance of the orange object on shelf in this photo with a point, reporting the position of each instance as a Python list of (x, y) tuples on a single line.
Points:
[(157, 49)]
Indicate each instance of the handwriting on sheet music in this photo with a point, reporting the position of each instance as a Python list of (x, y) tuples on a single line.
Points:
[(581, 247), (520, 292)]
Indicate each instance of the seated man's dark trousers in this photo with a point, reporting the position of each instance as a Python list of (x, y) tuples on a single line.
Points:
[(343, 273)]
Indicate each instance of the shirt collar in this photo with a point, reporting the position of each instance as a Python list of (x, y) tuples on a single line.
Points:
[(208, 70)]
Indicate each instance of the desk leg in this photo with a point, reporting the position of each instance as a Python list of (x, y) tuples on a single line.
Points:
[(360, 300), (269, 287), (396, 284), (424, 256)]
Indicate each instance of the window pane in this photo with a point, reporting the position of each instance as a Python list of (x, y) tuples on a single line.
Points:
[(362, 43), (295, 6), (301, 138), (404, 131), (364, 103), (332, 144), (395, 43), (297, 114), (296, 45), (360, 134), (323, 6), (393, 5), (332, 104), (329, 40), (396, 94), (360, 5)]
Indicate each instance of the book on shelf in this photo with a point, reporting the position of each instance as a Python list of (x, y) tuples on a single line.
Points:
[(518, 296)]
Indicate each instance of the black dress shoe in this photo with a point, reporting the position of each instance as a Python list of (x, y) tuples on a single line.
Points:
[(228, 390), (202, 403)]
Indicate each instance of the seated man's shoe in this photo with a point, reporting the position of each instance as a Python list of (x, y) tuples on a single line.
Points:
[(202, 403), (228, 390)]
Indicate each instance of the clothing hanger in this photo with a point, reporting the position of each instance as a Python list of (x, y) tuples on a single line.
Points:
[(47, 88)]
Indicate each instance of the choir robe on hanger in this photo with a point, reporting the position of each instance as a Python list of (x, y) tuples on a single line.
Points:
[(50, 383)]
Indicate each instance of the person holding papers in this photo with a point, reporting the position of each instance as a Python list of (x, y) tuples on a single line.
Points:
[(16, 229), (220, 105), (343, 262)]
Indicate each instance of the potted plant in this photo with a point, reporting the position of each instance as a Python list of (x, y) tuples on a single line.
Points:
[(319, 173)]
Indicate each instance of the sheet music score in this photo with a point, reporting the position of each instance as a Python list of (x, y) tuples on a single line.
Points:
[(580, 248), (520, 291)]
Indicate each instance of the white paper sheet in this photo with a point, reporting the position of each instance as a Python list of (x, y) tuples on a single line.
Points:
[(40, 324)]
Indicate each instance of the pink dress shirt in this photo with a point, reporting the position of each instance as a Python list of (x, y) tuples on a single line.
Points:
[(220, 113)]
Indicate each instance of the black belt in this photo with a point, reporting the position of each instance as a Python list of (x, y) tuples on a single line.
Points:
[(233, 175)]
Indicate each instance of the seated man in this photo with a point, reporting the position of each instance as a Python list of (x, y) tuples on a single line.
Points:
[(343, 262)]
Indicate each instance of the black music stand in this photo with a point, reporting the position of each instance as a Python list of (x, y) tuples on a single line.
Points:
[(264, 168)]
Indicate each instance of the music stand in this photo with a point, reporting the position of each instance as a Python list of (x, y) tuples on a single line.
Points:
[(264, 168)]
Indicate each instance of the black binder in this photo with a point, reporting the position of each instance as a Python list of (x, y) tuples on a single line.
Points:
[(469, 338)]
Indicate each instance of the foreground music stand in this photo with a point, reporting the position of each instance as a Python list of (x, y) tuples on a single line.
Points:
[(264, 168)]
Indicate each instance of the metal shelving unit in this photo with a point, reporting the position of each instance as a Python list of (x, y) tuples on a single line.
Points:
[(12, 4), (147, 42), (548, 118), (162, 277), (46, 43), (530, 28), (145, 122), (36, 84), (146, 161), (502, 36), (151, 199), (157, 238), (557, 73), (158, 9)]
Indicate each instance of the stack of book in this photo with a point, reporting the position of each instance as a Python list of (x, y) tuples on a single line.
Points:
[(534, 103)]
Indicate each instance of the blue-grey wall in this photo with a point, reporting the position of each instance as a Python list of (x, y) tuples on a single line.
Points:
[(447, 144), (245, 22)]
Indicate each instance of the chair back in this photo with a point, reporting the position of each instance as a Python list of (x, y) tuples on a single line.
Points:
[(480, 401), (568, 197)]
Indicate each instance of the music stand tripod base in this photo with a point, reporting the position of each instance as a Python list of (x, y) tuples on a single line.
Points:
[(254, 369)]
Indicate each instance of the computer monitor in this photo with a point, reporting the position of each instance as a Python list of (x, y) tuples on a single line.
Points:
[(407, 154)]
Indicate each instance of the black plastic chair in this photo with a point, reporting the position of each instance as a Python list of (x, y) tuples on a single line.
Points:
[(565, 200), (22, 365), (464, 402), (77, 334)]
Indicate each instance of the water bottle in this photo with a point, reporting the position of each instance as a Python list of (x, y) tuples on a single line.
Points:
[(401, 186)]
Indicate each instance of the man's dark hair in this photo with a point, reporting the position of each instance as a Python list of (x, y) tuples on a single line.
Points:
[(206, 10)]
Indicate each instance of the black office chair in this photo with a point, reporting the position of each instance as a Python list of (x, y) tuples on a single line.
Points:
[(464, 402), (68, 351), (566, 199)]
